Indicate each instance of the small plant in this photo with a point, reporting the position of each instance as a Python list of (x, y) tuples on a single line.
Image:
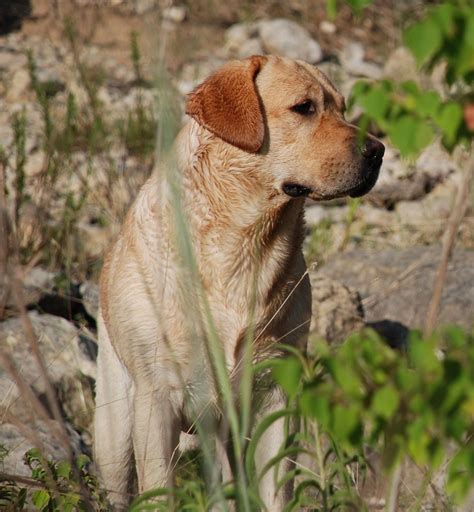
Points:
[(411, 116), (319, 242), (418, 405), (60, 487)]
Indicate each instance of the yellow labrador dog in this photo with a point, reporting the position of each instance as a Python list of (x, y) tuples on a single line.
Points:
[(263, 134)]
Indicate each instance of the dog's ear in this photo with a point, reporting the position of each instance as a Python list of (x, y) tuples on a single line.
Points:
[(228, 105)]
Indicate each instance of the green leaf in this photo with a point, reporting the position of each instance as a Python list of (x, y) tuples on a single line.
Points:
[(427, 103), (423, 357), (63, 469), (443, 16), (345, 422), (449, 120), (287, 373), (459, 477), (317, 406), (402, 133), (423, 136), (346, 378), (385, 402), (375, 102), (331, 8), (40, 499), (423, 39)]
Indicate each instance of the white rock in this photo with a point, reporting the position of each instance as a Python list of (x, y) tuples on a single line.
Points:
[(327, 27), (175, 13), (236, 35), (144, 6), (249, 48), (401, 66), (17, 445), (34, 163), (352, 59), (19, 86), (287, 38)]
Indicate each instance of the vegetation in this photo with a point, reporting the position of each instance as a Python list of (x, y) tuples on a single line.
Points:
[(413, 407)]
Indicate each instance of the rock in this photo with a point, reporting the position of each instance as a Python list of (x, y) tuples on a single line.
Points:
[(396, 285), (408, 188), (144, 6), (90, 298), (327, 27), (431, 209), (60, 347), (249, 48), (238, 34), (35, 163), (352, 59), (402, 181), (19, 86), (287, 38), (401, 66), (175, 13), (35, 284), (337, 309), (18, 443), (195, 72)]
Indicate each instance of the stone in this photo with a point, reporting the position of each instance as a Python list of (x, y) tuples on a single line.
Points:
[(249, 48), (144, 6), (401, 66), (36, 283), (175, 13), (17, 444), (352, 59), (35, 163), (327, 27), (336, 311), (90, 298), (237, 34), (60, 346), (397, 285), (289, 39), (19, 86)]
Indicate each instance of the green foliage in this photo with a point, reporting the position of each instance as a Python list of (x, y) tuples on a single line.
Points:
[(318, 242), (409, 115), (446, 33), (138, 131), (416, 405), (356, 5), (55, 487)]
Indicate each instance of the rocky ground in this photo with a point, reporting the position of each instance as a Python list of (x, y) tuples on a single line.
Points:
[(78, 119)]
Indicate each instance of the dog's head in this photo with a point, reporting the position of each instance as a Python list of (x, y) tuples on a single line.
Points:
[(289, 114)]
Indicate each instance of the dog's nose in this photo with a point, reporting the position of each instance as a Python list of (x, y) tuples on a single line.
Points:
[(372, 149)]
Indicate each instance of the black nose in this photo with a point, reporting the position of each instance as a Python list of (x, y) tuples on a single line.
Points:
[(372, 149)]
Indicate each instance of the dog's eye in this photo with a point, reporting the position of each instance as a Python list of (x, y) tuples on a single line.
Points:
[(306, 108)]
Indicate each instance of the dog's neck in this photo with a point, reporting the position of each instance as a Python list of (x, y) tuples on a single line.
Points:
[(231, 207)]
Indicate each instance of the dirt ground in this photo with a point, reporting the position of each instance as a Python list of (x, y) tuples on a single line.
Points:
[(108, 24)]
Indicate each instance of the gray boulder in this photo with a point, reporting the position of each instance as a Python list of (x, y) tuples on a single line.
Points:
[(287, 38), (18, 443), (397, 285), (336, 311), (69, 366)]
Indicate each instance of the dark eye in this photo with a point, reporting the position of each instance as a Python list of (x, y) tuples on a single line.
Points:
[(306, 108)]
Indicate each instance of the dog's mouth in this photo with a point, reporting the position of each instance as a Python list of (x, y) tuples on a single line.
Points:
[(366, 185), (295, 190), (363, 187)]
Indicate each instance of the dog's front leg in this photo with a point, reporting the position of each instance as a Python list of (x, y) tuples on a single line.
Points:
[(268, 447), (156, 430)]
